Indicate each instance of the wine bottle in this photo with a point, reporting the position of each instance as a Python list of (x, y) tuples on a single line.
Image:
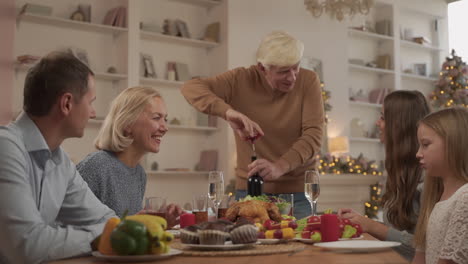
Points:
[(255, 183)]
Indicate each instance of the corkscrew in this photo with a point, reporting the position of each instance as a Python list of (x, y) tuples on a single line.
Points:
[(252, 141)]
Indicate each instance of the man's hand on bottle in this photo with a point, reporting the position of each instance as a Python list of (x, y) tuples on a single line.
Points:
[(268, 170), (243, 126)]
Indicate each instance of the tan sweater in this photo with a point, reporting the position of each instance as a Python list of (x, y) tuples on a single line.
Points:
[(292, 122)]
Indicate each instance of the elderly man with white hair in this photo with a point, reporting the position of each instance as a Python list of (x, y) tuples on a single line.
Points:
[(275, 101)]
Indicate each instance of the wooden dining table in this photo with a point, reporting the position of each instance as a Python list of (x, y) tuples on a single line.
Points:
[(310, 254)]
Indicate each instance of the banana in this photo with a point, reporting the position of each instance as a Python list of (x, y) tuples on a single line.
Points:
[(152, 223), (167, 238), (147, 217), (161, 249)]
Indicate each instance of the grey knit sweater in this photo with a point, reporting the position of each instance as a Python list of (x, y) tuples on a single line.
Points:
[(114, 183)]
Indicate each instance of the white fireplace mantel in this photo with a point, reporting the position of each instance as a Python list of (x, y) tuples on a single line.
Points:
[(345, 191)]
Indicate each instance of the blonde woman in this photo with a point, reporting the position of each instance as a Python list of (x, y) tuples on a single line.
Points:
[(442, 231), (135, 125)]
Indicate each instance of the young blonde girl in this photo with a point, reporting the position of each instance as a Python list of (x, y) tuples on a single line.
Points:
[(442, 230)]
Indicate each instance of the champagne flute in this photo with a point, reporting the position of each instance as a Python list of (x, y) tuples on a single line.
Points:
[(216, 188), (312, 188)]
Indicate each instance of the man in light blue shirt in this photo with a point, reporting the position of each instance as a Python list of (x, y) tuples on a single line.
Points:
[(47, 211)]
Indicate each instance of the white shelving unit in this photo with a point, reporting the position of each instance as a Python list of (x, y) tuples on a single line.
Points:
[(194, 128), (196, 55), (409, 44), (178, 40), (124, 45), (204, 3), (99, 121), (404, 55), (367, 140), (365, 34), (98, 75), (160, 82), (71, 24), (418, 77), (365, 104), (370, 69)]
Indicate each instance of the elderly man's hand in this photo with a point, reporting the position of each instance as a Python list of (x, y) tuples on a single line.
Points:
[(242, 125), (268, 170), (173, 212)]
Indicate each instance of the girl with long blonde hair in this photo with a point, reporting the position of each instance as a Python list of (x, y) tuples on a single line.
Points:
[(442, 230)]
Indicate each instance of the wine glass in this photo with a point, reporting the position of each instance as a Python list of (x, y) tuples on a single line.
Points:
[(312, 188), (216, 188)]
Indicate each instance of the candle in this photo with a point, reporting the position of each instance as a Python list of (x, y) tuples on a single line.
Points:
[(187, 220), (329, 227)]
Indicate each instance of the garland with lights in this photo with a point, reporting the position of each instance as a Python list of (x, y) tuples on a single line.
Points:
[(452, 87), (348, 165)]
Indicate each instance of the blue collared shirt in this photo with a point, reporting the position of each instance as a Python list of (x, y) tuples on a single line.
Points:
[(47, 211)]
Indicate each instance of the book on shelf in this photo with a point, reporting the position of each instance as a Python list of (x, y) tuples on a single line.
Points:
[(182, 72), (384, 62), (122, 22), (169, 27), (384, 27), (212, 32), (182, 29), (116, 17)]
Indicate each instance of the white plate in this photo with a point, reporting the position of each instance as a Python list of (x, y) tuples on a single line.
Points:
[(358, 245), (176, 233), (354, 238), (270, 241), (310, 241), (139, 258), (227, 246)]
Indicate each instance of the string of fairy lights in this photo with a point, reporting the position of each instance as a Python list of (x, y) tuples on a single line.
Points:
[(347, 165)]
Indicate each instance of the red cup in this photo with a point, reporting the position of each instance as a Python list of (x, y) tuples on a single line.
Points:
[(329, 227), (187, 220)]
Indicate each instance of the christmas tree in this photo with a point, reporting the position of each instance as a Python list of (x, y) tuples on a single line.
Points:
[(452, 87), (373, 206)]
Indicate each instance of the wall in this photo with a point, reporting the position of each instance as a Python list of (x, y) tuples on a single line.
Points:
[(7, 29)]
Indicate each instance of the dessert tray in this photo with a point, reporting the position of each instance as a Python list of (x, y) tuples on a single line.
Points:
[(227, 246), (138, 258)]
